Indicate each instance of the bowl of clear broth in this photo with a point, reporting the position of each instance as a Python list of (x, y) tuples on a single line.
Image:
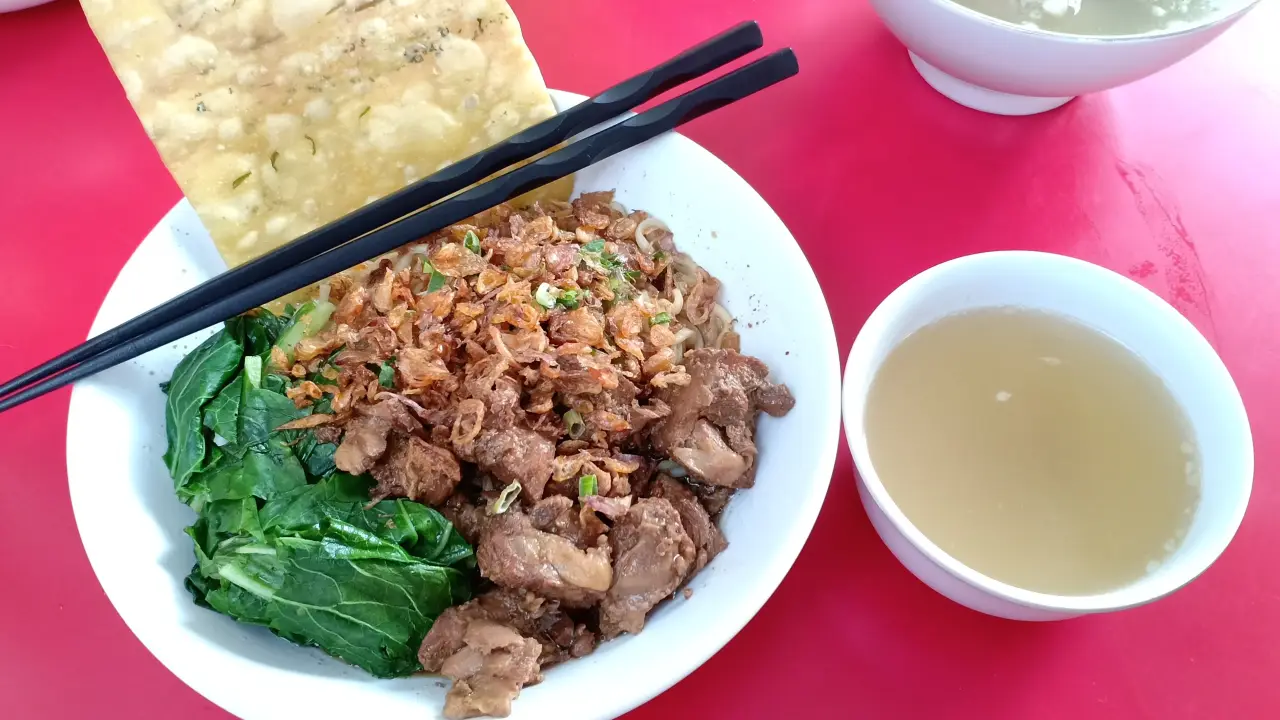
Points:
[(1020, 57), (1037, 437)]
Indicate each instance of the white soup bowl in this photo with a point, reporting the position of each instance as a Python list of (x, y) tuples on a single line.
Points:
[(1111, 304), (1009, 69)]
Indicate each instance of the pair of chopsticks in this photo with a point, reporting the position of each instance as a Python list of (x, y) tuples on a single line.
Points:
[(422, 208)]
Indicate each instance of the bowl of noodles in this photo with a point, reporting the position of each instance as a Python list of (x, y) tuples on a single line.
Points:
[(660, 381)]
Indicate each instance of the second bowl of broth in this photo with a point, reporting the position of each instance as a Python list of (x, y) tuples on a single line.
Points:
[(1037, 437), (1034, 449)]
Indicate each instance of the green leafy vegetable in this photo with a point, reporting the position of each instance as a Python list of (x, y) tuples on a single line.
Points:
[(595, 246), (471, 241), (586, 485), (660, 319), (257, 331), (283, 539), (196, 381)]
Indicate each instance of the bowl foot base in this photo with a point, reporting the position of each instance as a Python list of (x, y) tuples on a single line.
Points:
[(980, 98)]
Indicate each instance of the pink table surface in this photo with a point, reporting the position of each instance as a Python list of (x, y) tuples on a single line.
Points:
[(1174, 180)]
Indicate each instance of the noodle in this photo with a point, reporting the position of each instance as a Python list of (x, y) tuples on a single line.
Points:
[(677, 301), (645, 225), (686, 334)]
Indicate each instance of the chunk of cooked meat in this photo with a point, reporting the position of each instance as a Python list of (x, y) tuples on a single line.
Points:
[(712, 497), (653, 556), (414, 468), (514, 554), (556, 514), (726, 390), (775, 400), (365, 438), (561, 636), (708, 458), (701, 529), (532, 616), (517, 454), (494, 663), (468, 519)]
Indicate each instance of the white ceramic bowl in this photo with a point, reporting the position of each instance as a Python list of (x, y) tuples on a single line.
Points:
[(14, 5), (132, 525), (999, 67), (1107, 302)]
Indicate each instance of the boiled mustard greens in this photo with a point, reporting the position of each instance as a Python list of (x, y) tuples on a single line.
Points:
[(284, 540)]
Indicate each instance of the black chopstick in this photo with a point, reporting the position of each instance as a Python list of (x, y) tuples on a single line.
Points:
[(692, 63), (715, 94)]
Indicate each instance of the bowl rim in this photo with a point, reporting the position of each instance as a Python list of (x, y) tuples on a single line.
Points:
[(1212, 20), (855, 436), (768, 574)]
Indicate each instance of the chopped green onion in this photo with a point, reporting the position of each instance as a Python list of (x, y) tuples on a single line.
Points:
[(364, 112), (307, 321), (632, 276), (659, 256), (240, 180), (275, 155), (437, 280), (574, 424), (387, 374), (506, 499), (253, 370), (595, 246), (471, 241), (547, 295), (609, 261), (660, 319), (586, 485), (333, 355), (569, 299)]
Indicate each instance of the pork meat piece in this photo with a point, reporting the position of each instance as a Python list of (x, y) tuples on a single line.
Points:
[(557, 515), (517, 454), (653, 556), (726, 392), (365, 438), (514, 554), (414, 468), (712, 497), (702, 530), (561, 637), (494, 663), (707, 457)]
